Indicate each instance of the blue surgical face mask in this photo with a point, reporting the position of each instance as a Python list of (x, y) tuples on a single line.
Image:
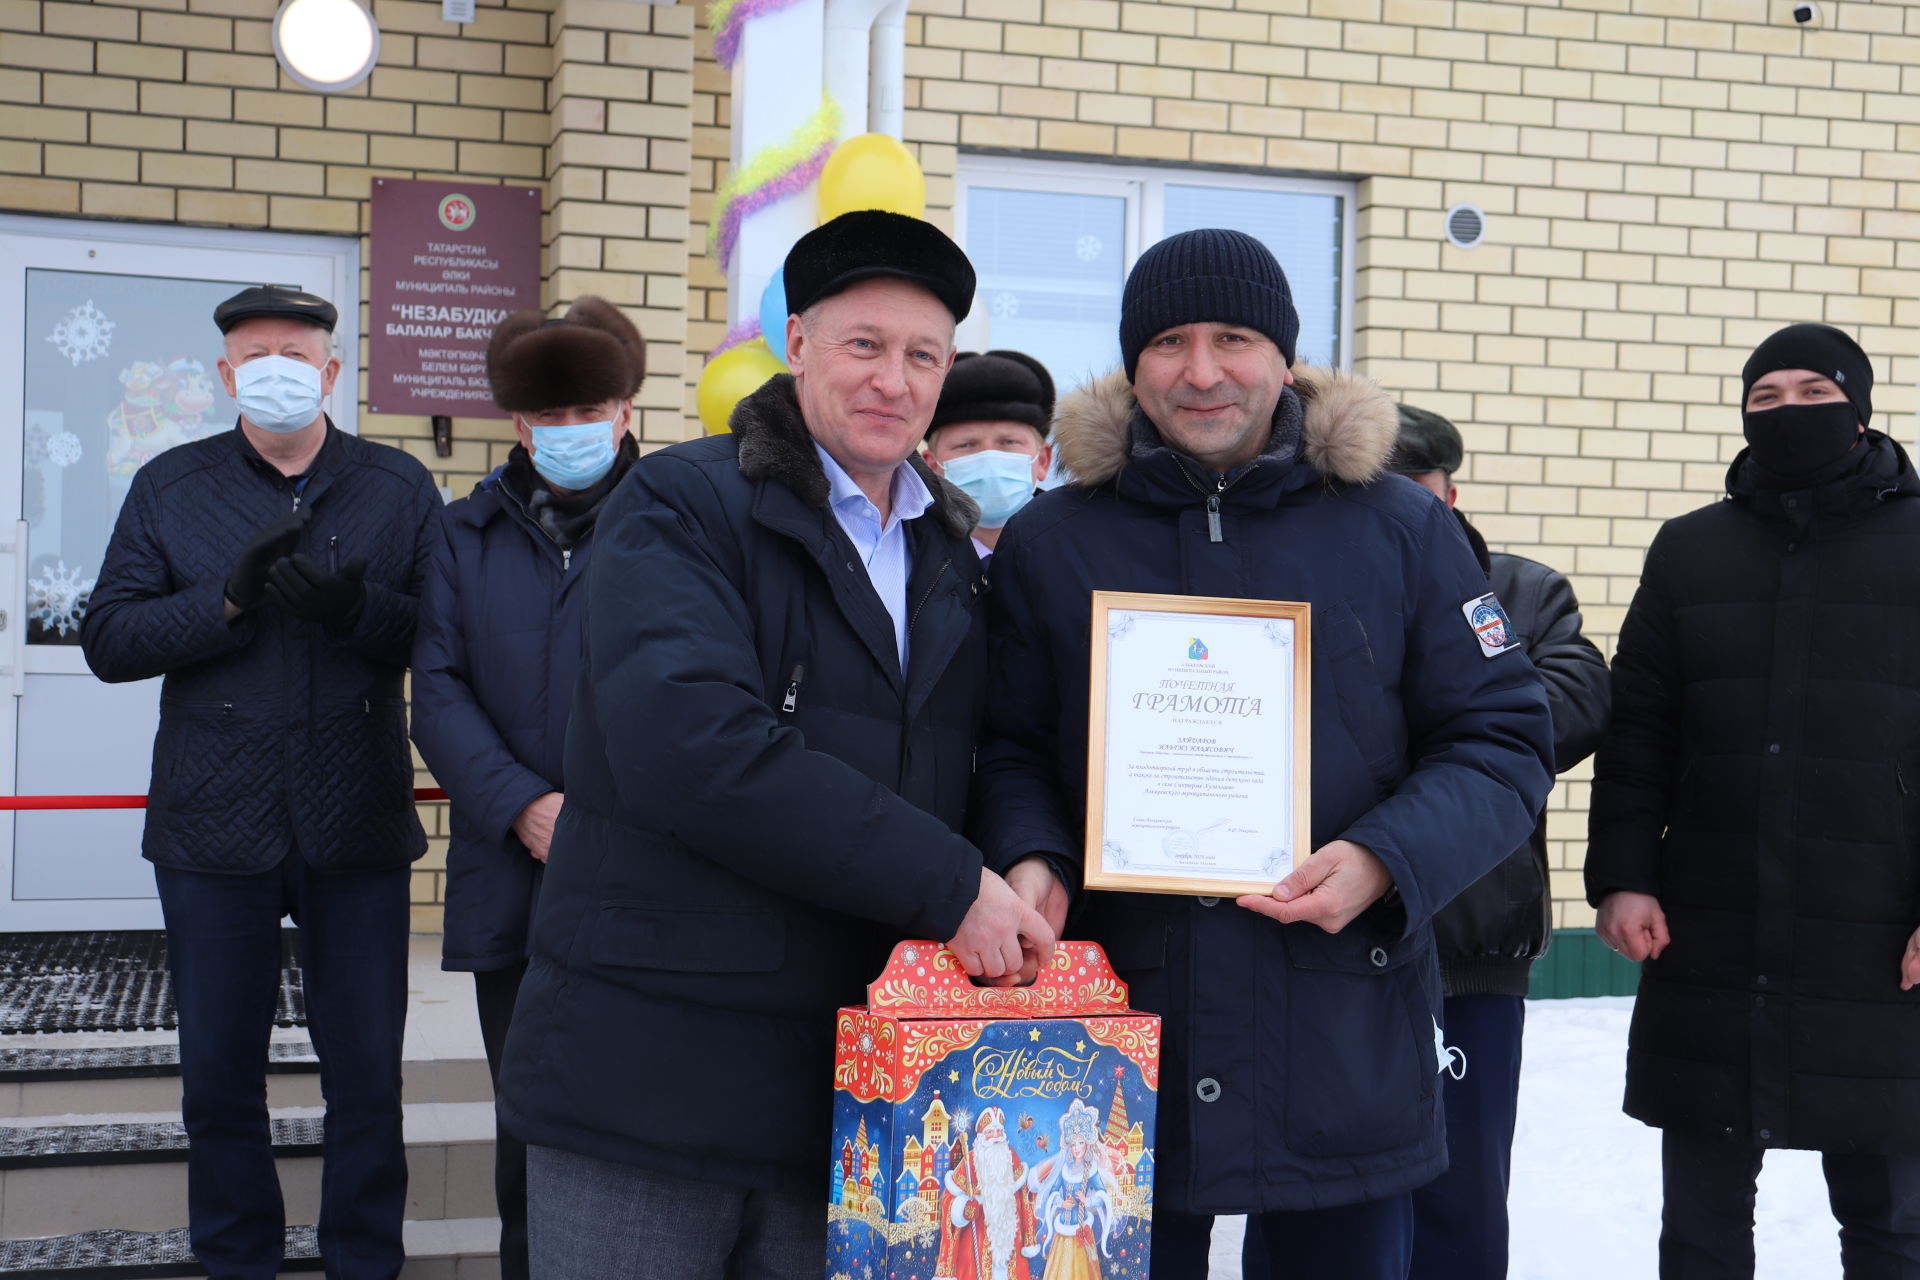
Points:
[(1000, 482), (277, 393), (573, 457)]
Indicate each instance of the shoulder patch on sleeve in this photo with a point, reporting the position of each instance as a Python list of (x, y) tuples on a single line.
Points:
[(1490, 625)]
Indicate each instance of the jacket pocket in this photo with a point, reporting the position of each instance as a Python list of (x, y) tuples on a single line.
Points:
[(192, 753), (628, 935), (1361, 1065)]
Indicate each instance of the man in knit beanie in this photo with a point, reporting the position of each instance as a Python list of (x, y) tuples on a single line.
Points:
[(1752, 831), (989, 435), (1302, 1040)]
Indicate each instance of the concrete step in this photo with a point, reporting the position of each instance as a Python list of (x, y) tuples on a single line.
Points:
[(53, 1079), (71, 1174), (446, 1249)]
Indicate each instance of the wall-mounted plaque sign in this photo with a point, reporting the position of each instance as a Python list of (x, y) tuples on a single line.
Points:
[(448, 261)]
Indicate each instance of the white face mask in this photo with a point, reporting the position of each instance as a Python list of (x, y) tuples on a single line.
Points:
[(277, 394)]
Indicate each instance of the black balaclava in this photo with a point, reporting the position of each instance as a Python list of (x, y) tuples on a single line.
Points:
[(1802, 440)]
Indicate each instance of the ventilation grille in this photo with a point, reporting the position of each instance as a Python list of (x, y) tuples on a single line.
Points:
[(1466, 226)]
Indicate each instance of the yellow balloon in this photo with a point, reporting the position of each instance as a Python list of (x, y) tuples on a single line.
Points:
[(872, 171), (731, 377)]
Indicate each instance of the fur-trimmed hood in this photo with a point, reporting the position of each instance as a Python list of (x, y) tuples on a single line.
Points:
[(774, 444), (1347, 426)]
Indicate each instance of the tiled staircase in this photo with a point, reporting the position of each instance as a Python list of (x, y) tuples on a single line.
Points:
[(93, 1158)]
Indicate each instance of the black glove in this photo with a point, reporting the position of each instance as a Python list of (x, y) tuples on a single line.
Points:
[(247, 584), (305, 590)]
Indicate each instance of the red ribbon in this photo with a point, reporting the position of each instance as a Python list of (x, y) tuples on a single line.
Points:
[(135, 802)]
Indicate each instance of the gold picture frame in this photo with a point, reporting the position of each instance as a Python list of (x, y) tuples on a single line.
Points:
[(1191, 733)]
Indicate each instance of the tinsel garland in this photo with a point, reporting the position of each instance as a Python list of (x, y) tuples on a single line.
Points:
[(728, 18), (782, 170), (745, 331)]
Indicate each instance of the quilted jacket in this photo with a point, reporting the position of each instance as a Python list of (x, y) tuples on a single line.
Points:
[(274, 733)]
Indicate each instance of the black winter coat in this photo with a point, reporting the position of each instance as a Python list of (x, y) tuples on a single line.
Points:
[(759, 805), (1322, 1046), (1492, 933), (494, 666), (274, 733), (1761, 777)]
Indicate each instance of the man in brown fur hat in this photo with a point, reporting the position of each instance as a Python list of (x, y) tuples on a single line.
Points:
[(498, 648), (1302, 1046)]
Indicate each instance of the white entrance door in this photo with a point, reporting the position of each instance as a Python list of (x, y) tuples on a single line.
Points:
[(107, 353)]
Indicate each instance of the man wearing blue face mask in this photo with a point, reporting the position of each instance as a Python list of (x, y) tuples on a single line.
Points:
[(490, 702), (989, 435), (270, 574)]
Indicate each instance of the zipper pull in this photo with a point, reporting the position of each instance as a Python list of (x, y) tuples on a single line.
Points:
[(793, 687), (566, 559), (1213, 518), (333, 554)]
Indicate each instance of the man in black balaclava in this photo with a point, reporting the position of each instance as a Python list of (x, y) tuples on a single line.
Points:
[(1753, 830)]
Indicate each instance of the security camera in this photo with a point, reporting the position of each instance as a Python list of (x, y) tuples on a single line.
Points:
[(1806, 13)]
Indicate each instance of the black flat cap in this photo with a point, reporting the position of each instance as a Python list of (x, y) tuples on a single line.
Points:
[(274, 300), (1427, 442), (872, 242)]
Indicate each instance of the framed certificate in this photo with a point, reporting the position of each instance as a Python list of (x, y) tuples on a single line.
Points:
[(1198, 746)]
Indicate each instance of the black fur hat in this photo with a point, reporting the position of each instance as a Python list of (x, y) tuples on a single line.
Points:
[(997, 386), (590, 355), (873, 242)]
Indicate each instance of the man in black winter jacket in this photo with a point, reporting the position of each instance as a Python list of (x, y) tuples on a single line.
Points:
[(499, 651), (1491, 934), (1754, 823), (767, 773), (270, 574)]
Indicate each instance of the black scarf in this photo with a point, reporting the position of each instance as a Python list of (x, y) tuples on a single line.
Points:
[(566, 517)]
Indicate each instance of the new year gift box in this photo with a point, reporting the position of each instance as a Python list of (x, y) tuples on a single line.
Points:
[(993, 1133)]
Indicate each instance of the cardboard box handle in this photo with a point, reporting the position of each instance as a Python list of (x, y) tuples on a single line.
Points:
[(925, 980)]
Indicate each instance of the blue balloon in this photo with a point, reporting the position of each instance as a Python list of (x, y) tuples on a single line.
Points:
[(773, 316)]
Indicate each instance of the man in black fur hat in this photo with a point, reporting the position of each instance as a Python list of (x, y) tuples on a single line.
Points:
[(767, 769), (498, 649), (989, 435)]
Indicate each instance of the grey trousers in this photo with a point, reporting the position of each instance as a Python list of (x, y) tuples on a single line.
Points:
[(592, 1219)]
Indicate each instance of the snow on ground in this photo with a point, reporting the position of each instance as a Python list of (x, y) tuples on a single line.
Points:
[(1585, 1203)]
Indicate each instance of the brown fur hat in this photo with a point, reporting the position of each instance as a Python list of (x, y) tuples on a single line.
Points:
[(590, 355)]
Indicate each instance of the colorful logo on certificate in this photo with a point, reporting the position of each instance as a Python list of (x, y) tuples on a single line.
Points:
[(1196, 650)]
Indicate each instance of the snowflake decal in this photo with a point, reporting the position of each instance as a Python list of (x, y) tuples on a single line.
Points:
[(85, 334), (58, 600), (63, 448), (1006, 305), (1087, 248)]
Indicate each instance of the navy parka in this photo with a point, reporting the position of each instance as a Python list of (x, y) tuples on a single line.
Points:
[(276, 734), (1299, 1068), (494, 666), (760, 803)]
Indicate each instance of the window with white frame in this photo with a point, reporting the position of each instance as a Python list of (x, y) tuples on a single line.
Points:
[(1053, 242)]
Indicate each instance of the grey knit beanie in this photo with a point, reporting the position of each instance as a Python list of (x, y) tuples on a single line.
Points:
[(1211, 274)]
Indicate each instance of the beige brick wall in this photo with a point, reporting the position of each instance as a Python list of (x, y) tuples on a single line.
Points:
[(1666, 182), (175, 111)]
